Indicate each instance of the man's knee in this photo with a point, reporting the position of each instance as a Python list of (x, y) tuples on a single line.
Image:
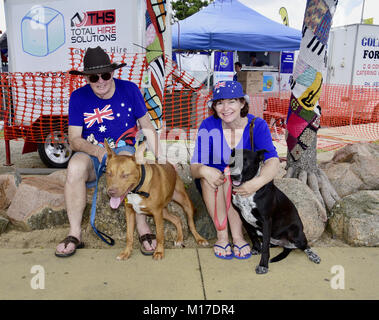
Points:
[(78, 168)]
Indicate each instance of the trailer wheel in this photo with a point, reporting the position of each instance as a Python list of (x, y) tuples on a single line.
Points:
[(55, 154)]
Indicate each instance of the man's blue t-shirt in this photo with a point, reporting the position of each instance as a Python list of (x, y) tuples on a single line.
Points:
[(211, 148), (114, 119)]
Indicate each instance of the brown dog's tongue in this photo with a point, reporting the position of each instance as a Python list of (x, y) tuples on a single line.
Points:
[(115, 202)]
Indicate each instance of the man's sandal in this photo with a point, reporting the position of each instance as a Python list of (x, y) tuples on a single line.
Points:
[(66, 241), (149, 237)]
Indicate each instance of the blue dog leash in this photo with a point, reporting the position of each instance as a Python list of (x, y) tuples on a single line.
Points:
[(99, 172), (100, 234)]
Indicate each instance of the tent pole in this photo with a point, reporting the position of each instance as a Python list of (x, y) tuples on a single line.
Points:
[(280, 68), (209, 72)]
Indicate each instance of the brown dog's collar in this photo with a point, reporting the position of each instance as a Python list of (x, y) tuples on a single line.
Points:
[(136, 189)]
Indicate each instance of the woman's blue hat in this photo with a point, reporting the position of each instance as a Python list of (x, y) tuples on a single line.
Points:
[(227, 90)]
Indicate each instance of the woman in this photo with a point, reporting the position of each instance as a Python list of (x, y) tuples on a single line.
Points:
[(226, 129)]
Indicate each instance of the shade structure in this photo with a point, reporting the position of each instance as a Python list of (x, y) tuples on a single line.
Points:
[(232, 26)]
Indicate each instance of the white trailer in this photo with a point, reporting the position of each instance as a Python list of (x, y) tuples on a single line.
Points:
[(40, 35), (354, 55)]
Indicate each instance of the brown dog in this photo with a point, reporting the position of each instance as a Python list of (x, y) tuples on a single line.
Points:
[(148, 189)]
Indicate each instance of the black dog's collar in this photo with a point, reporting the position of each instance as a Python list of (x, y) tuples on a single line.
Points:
[(135, 190)]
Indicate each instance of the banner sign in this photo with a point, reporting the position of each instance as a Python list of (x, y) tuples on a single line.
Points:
[(366, 64), (223, 61), (40, 33), (287, 61)]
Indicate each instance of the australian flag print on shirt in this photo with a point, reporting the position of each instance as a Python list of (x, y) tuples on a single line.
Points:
[(98, 116)]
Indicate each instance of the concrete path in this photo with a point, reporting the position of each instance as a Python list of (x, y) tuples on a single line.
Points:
[(187, 274)]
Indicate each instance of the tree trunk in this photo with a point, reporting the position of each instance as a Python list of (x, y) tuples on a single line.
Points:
[(304, 111), (307, 170)]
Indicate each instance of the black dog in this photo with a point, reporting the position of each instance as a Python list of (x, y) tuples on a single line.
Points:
[(267, 213)]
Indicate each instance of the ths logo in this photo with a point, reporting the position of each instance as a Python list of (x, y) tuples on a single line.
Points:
[(93, 26), (94, 18)]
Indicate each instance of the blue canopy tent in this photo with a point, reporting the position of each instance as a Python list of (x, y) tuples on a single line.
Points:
[(230, 25)]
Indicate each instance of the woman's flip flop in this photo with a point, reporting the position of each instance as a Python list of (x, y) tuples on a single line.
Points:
[(247, 256), (220, 256)]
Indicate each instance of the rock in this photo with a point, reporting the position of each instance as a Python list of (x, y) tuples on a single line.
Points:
[(8, 188), (113, 222), (344, 180), (353, 168), (355, 219), (59, 176), (311, 212), (346, 153), (203, 221), (3, 224), (367, 169), (38, 203)]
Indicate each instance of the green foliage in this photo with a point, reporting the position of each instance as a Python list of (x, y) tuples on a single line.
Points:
[(184, 8)]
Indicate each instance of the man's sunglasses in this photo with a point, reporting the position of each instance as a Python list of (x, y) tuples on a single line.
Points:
[(95, 77)]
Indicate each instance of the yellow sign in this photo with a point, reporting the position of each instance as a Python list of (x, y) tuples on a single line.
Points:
[(283, 13), (368, 21)]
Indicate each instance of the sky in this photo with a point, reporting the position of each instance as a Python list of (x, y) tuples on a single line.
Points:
[(348, 11)]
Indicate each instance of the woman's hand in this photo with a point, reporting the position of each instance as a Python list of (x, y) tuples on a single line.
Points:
[(249, 187), (213, 176), (268, 172)]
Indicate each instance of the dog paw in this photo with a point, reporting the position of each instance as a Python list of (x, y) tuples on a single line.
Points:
[(179, 244), (315, 258), (158, 255), (312, 256), (203, 243), (261, 270), (123, 256)]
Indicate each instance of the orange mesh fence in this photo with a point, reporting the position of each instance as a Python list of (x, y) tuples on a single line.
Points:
[(350, 110), (272, 107), (34, 106), (353, 110), (184, 105)]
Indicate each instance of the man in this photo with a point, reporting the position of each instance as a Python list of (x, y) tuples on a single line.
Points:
[(105, 108), (237, 68), (254, 61)]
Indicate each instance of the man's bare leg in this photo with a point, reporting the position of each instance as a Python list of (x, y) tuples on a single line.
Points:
[(79, 171)]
